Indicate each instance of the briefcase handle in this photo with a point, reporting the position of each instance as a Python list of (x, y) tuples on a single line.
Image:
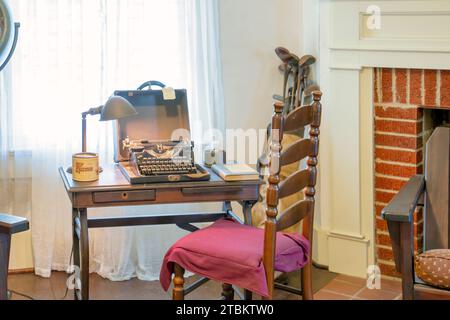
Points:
[(150, 84)]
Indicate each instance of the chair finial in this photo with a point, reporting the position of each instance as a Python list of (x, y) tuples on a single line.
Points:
[(317, 96), (279, 107)]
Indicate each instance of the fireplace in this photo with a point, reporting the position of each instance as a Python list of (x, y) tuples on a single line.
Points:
[(409, 104), (373, 139)]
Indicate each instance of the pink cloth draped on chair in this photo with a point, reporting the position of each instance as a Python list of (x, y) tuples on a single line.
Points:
[(232, 253)]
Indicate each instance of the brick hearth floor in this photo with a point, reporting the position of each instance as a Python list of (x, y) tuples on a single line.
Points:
[(338, 288), (350, 288)]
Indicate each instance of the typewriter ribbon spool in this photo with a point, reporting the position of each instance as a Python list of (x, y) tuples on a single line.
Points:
[(85, 167)]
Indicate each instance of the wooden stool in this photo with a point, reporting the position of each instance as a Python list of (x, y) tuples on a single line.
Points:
[(9, 225)]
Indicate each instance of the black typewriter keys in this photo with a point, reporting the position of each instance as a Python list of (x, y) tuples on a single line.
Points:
[(151, 166)]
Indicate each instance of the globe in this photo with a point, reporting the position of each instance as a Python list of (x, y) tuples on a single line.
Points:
[(8, 33)]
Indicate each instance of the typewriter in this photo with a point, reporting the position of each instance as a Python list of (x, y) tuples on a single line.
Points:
[(163, 162), (154, 146)]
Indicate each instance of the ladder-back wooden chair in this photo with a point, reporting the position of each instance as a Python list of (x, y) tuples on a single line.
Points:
[(426, 275), (246, 256)]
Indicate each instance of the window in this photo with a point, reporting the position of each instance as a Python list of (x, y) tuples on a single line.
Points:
[(73, 54)]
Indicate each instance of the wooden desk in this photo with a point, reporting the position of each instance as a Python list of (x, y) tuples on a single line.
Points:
[(113, 190)]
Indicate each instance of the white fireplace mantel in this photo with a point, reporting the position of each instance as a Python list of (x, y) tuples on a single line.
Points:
[(413, 34)]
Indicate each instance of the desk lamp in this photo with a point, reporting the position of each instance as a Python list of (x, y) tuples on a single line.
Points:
[(114, 109)]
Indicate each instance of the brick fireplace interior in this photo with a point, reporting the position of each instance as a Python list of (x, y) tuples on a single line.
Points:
[(409, 104)]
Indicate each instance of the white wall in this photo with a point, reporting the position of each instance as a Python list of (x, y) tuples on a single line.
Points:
[(250, 32)]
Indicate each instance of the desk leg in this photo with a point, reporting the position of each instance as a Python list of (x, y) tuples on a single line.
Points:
[(247, 210), (84, 253), (76, 248)]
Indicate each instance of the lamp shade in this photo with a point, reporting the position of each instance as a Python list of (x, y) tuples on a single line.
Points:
[(117, 108)]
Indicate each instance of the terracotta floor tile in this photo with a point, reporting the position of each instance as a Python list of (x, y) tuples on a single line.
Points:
[(354, 280), (375, 294), (327, 295), (343, 287), (391, 285)]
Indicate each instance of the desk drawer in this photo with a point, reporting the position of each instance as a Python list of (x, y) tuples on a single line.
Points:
[(212, 190), (124, 196)]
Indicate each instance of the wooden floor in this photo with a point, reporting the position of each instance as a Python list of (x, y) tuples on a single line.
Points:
[(327, 285)]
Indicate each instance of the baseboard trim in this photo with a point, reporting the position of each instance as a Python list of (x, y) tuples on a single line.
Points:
[(348, 256), (21, 271), (348, 236), (342, 252)]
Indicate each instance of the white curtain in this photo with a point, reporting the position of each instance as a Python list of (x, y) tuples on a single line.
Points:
[(72, 55)]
